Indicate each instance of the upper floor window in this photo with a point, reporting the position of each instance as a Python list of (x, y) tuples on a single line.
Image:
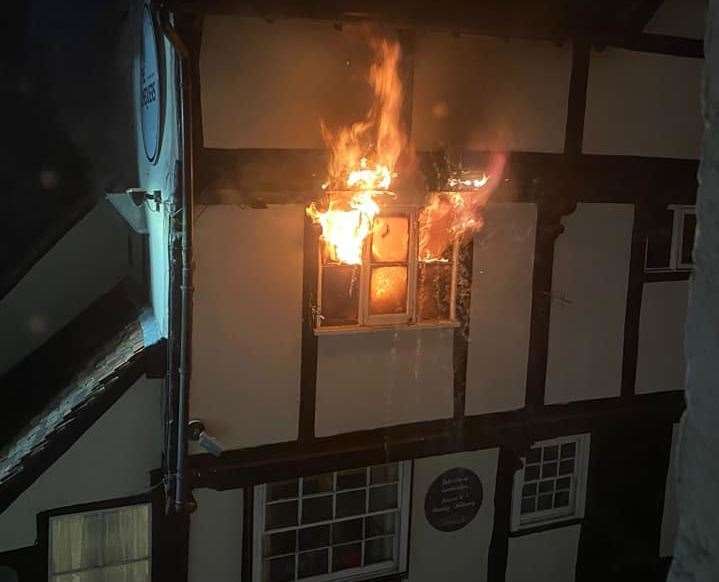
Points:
[(108, 544), (343, 525), (406, 276), (552, 484), (670, 239)]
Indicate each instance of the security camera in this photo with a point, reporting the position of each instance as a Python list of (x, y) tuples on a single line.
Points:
[(198, 434)]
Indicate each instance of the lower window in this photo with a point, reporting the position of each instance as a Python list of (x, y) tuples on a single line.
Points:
[(107, 544), (333, 526), (552, 484)]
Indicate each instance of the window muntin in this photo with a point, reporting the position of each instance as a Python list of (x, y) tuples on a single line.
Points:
[(551, 485), (108, 544), (332, 526), (400, 281), (670, 240)]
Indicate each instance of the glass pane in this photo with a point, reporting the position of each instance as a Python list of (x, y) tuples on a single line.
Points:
[(435, 230), (534, 455), (388, 290), (347, 531), (312, 563), (314, 537), (566, 467), (527, 505), (569, 450), (378, 550), (531, 473), (279, 543), (529, 489), (434, 287), (351, 479), (377, 525), (126, 534), (690, 225), (340, 295), (564, 483), (545, 502), (546, 486), (279, 569), (390, 239), (76, 541), (384, 473), (550, 453), (316, 509), (133, 572), (317, 484), (659, 241), (549, 470), (350, 503), (282, 490), (281, 514), (383, 497), (349, 556), (561, 499)]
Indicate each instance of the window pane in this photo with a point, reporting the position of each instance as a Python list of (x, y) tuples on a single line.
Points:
[(566, 467), (384, 497), (76, 541), (350, 503), (377, 525), (527, 505), (279, 569), (282, 490), (312, 563), (549, 470), (550, 453), (534, 455), (351, 479), (314, 537), (348, 556), (390, 239), (659, 240), (569, 450), (347, 531), (531, 473), (388, 290), (690, 224), (132, 572), (279, 543), (529, 489), (561, 499), (281, 514), (378, 550), (435, 230), (434, 286), (126, 534), (545, 502), (340, 295), (384, 473), (316, 509), (563, 483), (546, 486), (317, 484)]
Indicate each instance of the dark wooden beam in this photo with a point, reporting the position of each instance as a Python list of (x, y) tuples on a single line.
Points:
[(577, 99)]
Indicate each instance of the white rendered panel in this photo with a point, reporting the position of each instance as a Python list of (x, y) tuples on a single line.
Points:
[(548, 555)]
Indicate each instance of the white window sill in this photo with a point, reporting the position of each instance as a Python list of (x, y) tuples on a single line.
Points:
[(353, 329)]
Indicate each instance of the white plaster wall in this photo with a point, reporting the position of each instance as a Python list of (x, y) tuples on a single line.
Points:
[(382, 378), (112, 459), (215, 552), (670, 515), (501, 307), (461, 555), (247, 323), (660, 359), (548, 556), (489, 94), (589, 293), (684, 18), (88, 261), (643, 104)]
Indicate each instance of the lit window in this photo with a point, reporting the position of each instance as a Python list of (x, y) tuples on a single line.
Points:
[(404, 278), (110, 544), (333, 526), (551, 486), (670, 239)]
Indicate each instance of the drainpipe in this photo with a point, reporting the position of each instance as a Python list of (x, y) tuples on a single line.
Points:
[(184, 326)]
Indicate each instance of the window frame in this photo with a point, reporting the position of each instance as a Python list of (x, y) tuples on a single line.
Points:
[(576, 506), (351, 574), (679, 211), (408, 319)]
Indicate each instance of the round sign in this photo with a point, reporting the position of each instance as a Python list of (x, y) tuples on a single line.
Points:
[(150, 87), (453, 499)]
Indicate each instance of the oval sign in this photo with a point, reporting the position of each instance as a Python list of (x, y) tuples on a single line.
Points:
[(453, 499), (150, 87)]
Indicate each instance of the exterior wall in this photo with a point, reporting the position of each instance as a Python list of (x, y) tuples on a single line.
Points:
[(643, 104), (589, 292), (660, 360), (547, 556), (247, 323), (112, 459), (216, 536), (376, 379), (501, 309), (460, 555), (670, 515)]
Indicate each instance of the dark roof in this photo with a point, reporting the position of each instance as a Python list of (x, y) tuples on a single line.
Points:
[(55, 394)]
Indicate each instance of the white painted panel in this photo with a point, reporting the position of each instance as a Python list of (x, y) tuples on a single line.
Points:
[(112, 459), (461, 555), (643, 104), (660, 358), (489, 94), (247, 323), (216, 536), (268, 84), (549, 556), (589, 294), (684, 18), (88, 261), (670, 515), (501, 309), (382, 378)]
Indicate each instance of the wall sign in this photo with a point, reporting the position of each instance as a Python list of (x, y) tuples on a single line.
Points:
[(150, 86), (453, 499)]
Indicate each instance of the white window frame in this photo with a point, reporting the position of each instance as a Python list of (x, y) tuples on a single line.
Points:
[(351, 574), (368, 322), (578, 491), (51, 575), (675, 255)]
